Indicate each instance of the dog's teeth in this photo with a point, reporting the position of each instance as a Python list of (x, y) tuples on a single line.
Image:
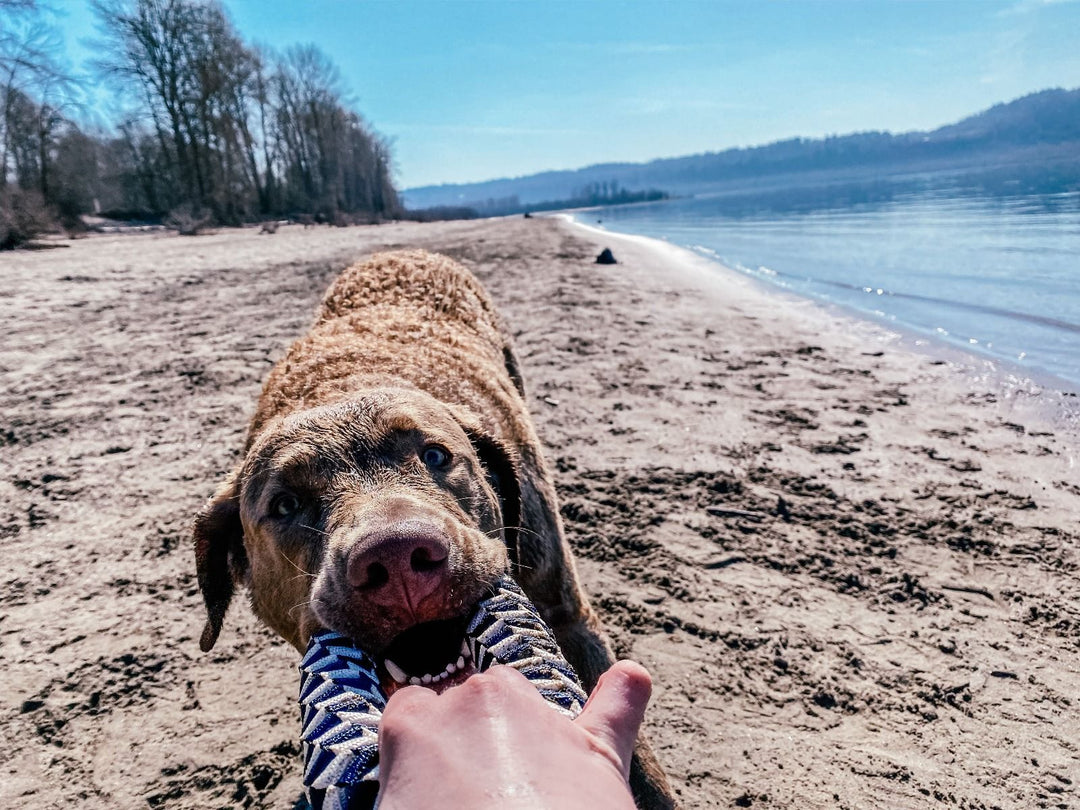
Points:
[(461, 662), (450, 669), (396, 672), (465, 650), (426, 680), (437, 678), (415, 681)]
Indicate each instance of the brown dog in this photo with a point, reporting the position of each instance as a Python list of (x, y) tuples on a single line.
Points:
[(391, 475)]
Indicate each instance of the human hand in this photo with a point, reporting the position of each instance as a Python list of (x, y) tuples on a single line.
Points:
[(493, 741)]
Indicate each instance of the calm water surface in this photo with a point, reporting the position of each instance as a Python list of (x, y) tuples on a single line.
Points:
[(1000, 277)]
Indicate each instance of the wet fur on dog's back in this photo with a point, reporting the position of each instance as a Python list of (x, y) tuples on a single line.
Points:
[(410, 338)]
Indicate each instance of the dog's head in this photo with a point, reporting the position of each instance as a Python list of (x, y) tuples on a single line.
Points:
[(385, 518)]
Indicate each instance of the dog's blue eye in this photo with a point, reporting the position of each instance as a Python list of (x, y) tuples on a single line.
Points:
[(435, 456), (284, 506)]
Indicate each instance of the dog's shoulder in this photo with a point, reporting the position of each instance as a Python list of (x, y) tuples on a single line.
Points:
[(417, 279)]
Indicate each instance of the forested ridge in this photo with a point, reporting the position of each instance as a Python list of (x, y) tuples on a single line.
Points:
[(1040, 131), (210, 129)]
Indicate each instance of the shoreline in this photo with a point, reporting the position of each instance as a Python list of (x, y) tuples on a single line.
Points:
[(1055, 398), (951, 349)]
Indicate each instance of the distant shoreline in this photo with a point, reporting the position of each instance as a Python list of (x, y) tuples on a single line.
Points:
[(1060, 397), (1026, 145)]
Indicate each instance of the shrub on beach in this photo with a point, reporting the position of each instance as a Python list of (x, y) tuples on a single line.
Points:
[(23, 216), (187, 221)]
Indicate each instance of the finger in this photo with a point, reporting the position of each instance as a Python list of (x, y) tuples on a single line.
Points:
[(505, 675), (495, 691), (407, 706), (409, 699), (614, 711)]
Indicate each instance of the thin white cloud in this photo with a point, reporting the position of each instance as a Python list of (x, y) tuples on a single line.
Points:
[(1004, 59), (1029, 6), (469, 129), (654, 105), (626, 48)]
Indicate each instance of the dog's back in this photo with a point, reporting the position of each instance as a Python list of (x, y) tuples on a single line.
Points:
[(412, 285), (409, 319)]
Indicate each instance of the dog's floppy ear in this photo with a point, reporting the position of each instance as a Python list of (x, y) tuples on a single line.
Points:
[(219, 556), (502, 474)]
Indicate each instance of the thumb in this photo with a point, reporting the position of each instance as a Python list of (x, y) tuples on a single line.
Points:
[(614, 711)]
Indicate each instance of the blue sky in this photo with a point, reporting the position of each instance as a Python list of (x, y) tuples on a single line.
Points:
[(475, 90)]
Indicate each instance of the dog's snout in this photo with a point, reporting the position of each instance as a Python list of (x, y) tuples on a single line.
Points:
[(399, 565)]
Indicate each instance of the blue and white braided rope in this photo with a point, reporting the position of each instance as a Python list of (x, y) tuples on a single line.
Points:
[(341, 700)]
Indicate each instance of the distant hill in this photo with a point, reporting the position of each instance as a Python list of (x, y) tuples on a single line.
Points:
[(1041, 130)]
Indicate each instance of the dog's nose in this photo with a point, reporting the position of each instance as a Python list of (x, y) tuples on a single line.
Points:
[(399, 565)]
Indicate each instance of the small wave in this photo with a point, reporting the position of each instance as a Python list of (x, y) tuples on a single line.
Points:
[(1042, 320), (1009, 268)]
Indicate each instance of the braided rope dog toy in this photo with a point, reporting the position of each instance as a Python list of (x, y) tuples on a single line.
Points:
[(342, 700)]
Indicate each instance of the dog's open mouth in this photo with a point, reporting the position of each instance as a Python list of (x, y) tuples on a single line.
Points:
[(432, 654)]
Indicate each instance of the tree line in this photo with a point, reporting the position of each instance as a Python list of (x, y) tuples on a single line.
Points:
[(602, 192), (1036, 138), (211, 128)]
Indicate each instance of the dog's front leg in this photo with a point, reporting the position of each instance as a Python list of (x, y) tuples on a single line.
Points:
[(585, 647), (547, 574)]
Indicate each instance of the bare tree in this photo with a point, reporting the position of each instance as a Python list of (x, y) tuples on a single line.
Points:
[(331, 161), (215, 130), (31, 73), (36, 93)]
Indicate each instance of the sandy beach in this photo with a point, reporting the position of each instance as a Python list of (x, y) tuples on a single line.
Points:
[(850, 562)]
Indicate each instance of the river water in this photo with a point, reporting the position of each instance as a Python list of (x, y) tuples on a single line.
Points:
[(997, 276)]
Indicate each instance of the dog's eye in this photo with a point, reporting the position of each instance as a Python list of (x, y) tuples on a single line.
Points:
[(435, 455), (284, 505)]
